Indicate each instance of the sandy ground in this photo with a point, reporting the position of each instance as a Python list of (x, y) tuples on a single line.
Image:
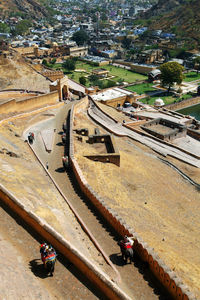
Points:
[(15, 73), (21, 174), (152, 198), (22, 272)]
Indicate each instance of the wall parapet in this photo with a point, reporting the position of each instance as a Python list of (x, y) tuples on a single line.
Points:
[(171, 282), (95, 275), (21, 105), (183, 104)]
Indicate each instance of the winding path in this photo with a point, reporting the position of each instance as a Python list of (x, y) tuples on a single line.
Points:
[(117, 128), (137, 280)]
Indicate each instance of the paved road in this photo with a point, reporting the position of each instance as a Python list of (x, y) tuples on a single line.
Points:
[(158, 147), (137, 280)]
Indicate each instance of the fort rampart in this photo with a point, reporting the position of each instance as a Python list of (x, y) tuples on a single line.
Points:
[(167, 277), (96, 276), (14, 105)]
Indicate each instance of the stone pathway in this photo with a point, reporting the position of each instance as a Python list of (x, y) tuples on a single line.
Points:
[(158, 147)]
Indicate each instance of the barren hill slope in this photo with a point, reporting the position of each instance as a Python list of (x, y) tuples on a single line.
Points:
[(16, 73), (32, 8), (179, 16)]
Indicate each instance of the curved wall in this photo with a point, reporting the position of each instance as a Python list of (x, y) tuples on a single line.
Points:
[(31, 103), (167, 277), (97, 277)]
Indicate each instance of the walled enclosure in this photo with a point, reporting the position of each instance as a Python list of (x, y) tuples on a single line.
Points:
[(167, 277), (31, 103), (177, 130), (112, 156)]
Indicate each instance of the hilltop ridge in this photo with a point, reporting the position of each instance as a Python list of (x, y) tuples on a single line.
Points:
[(181, 17), (31, 8)]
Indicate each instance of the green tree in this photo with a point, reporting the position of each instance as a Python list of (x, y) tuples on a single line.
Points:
[(93, 78), (44, 62), (69, 64), (22, 27), (4, 28), (126, 43), (104, 17), (53, 61), (171, 72), (82, 80), (80, 37)]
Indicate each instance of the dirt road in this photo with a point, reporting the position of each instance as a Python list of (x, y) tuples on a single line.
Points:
[(137, 281), (22, 273)]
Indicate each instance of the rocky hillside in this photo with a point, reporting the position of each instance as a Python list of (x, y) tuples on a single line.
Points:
[(29, 8), (181, 17)]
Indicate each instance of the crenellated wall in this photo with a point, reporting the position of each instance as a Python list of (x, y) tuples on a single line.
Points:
[(166, 277)]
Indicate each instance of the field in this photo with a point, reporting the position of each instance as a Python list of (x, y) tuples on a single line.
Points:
[(117, 74), (168, 99), (191, 76), (142, 88)]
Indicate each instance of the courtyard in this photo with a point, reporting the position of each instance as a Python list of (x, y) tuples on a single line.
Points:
[(116, 74)]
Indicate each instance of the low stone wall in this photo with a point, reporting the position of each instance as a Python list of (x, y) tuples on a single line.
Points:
[(183, 104), (167, 277), (177, 130), (106, 158), (193, 133), (96, 104), (97, 277), (31, 103)]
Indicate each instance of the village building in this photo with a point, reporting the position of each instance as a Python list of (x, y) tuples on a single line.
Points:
[(114, 97), (154, 75), (101, 73)]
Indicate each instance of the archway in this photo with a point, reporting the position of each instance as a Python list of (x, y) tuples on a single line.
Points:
[(65, 92)]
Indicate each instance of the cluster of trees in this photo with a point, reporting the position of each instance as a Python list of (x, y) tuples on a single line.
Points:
[(80, 37), (70, 64), (94, 80), (21, 28)]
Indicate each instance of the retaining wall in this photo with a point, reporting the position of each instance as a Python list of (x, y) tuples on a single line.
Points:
[(97, 277), (193, 133), (31, 103), (167, 277), (183, 104)]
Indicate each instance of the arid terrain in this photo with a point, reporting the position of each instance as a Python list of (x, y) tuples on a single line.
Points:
[(15, 73), (151, 197)]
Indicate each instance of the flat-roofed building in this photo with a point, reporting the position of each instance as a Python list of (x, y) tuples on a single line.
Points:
[(115, 97), (100, 72)]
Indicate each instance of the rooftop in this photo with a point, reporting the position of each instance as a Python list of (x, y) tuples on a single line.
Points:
[(111, 94)]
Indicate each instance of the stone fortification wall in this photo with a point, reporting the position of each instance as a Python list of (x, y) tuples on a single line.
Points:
[(31, 103), (167, 277), (53, 76), (183, 104), (97, 277)]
